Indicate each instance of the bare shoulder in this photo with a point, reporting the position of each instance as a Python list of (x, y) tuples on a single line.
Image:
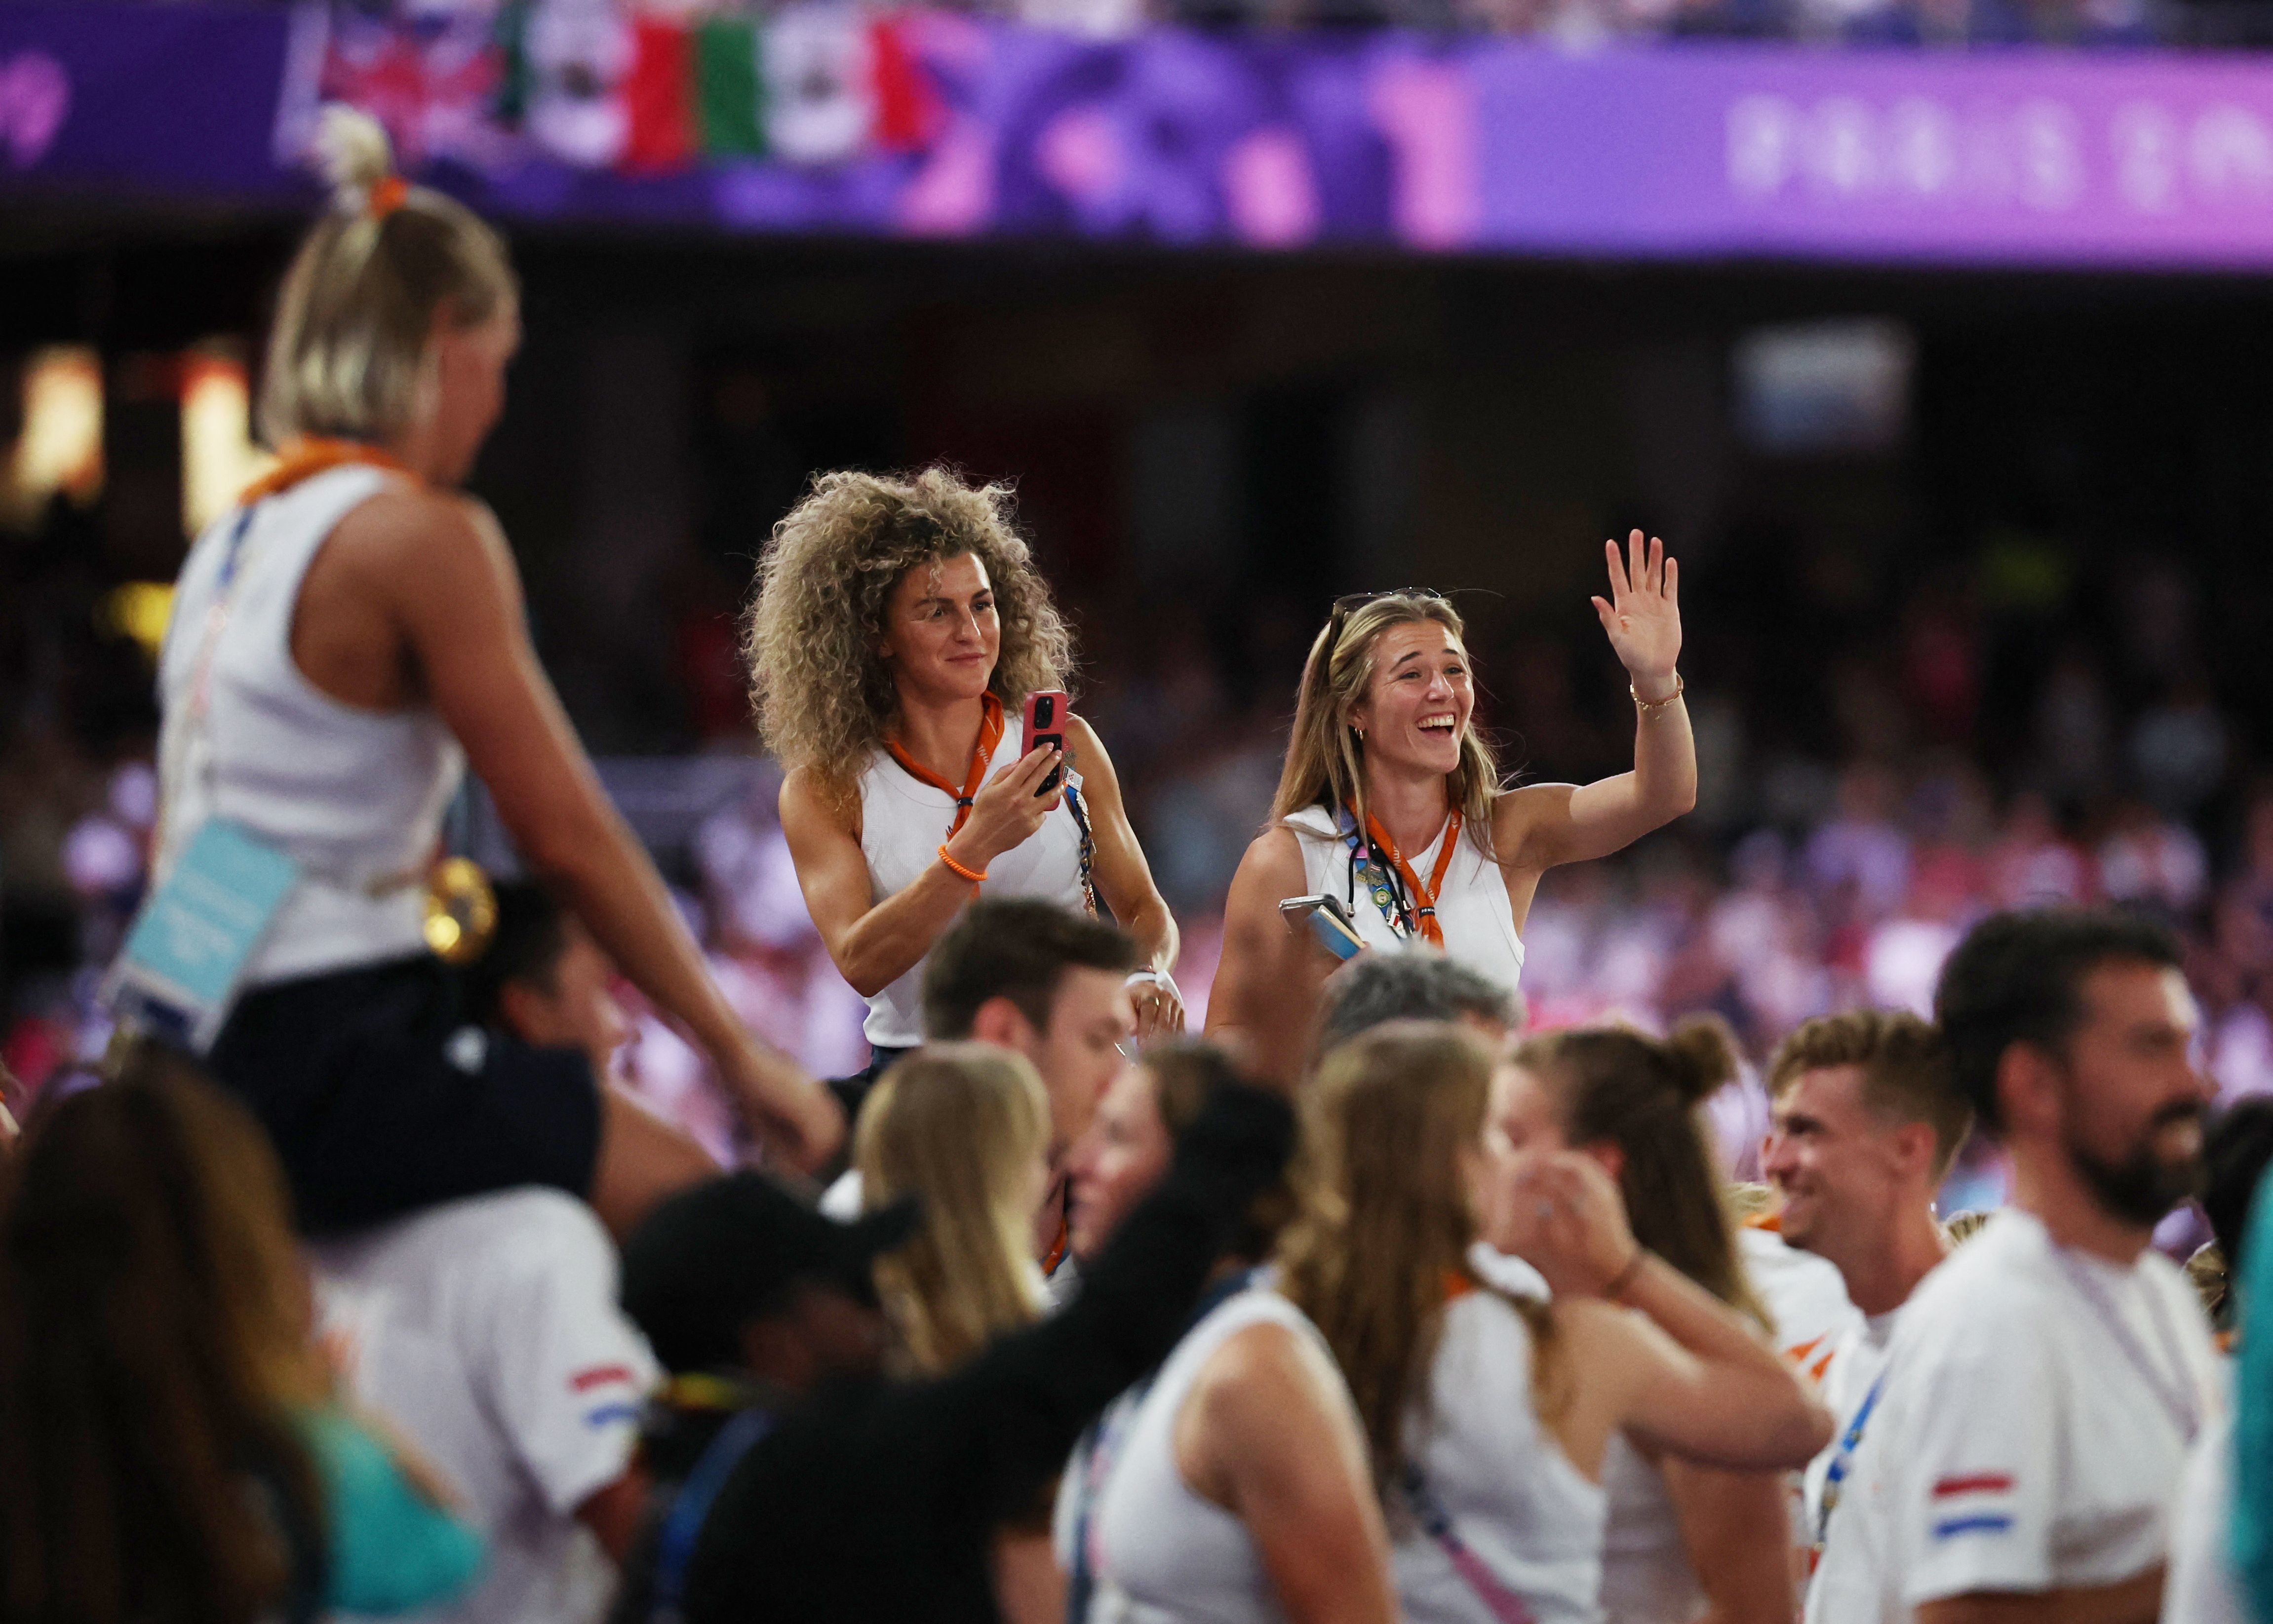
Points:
[(1094, 761), (1274, 856), (418, 540), (808, 803), (1253, 1375)]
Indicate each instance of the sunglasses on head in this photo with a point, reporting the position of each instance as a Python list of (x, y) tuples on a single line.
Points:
[(1350, 601)]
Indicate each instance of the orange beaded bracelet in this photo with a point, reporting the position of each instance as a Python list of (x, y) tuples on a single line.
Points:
[(973, 878)]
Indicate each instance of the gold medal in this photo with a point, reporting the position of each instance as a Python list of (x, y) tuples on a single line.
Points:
[(461, 912)]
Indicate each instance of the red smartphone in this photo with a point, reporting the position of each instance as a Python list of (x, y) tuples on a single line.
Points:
[(1045, 720)]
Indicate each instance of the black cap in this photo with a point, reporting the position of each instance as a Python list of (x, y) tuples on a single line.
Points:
[(714, 1256)]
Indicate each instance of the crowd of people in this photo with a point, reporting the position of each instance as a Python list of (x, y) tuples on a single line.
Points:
[(355, 1276)]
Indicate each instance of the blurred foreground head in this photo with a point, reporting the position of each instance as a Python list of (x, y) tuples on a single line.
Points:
[(2070, 1031), (396, 316), (964, 1128), (155, 1329)]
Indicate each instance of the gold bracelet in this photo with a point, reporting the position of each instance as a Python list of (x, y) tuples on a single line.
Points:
[(1650, 707), (974, 877)]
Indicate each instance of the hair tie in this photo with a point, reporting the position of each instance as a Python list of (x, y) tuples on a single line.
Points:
[(388, 194)]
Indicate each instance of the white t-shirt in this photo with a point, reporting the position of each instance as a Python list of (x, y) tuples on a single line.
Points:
[(487, 1329), (2203, 1587), (2038, 1408), (1804, 1295)]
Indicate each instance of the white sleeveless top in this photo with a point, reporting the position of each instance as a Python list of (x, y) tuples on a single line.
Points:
[(1479, 925), (1512, 1495), (903, 822), (356, 797), (1165, 1553), (1646, 1578)]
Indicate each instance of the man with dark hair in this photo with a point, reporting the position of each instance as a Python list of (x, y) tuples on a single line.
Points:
[(1867, 1119), (1421, 984), (545, 979), (2017, 1457), (1053, 986)]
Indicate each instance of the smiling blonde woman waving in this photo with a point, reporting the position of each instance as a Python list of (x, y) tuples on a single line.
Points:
[(899, 625), (1392, 803)]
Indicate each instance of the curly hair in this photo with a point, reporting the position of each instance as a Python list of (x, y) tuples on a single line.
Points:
[(823, 696)]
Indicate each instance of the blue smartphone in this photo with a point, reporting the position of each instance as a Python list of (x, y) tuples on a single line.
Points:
[(1329, 922)]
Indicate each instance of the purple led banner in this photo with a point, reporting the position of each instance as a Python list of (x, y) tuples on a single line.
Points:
[(1271, 142)]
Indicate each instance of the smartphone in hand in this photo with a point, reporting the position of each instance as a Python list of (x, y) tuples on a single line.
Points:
[(1329, 922), (1046, 721)]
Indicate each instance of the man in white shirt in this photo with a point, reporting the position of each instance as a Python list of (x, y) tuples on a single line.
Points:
[(1053, 986), (487, 1331), (2045, 1383), (1867, 1119)]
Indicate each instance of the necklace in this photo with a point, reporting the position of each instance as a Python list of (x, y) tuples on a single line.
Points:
[(1407, 905)]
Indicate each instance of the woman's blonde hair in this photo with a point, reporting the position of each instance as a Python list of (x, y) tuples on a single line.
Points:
[(960, 1126), (1325, 757), (1613, 1085), (1382, 1243), (823, 695), (348, 353)]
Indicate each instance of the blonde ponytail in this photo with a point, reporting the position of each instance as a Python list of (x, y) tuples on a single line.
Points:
[(357, 306)]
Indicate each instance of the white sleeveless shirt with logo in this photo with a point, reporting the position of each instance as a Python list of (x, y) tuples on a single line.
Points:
[(355, 797), (902, 823), (1479, 925)]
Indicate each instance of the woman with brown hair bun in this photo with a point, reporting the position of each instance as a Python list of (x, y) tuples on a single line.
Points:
[(1391, 801), (1684, 1542), (898, 628), (1488, 1418), (345, 643)]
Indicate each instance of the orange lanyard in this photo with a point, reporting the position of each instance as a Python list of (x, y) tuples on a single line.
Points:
[(305, 459), (1424, 897), (990, 739)]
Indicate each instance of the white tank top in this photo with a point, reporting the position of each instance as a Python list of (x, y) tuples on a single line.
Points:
[(1513, 1497), (1646, 1578), (903, 822), (1165, 1553), (356, 797), (1473, 913)]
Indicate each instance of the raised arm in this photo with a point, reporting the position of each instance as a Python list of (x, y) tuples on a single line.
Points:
[(1124, 882), (1269, 976), (1687, 1375), (874, 942), (1539, 826), (440, 568)]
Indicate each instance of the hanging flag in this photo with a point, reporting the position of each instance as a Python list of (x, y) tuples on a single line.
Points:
[(729, 94), (577, 52), (659, 133), (908, 114), (820, 92)]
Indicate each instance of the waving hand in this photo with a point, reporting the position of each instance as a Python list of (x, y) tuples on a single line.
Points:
[(1643, 613)]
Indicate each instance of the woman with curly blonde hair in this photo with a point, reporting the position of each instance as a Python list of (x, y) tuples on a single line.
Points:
[(897, 623)]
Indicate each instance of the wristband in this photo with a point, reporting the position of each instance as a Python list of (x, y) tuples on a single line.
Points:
[(1159, 978), (1615, 1288), (1650, 707), (973, 875)]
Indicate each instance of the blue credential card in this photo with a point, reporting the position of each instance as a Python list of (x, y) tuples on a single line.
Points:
[(183, 962)]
